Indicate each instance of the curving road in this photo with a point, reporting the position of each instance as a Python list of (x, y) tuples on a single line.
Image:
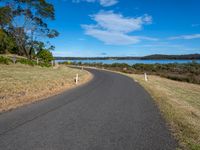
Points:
[(111, 112)]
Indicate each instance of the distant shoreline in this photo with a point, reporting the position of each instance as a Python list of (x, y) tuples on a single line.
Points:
[(149, 57)]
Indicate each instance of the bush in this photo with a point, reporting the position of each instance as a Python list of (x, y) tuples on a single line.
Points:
[(45, 55), (27, 62), (44, 64), (4, 60)]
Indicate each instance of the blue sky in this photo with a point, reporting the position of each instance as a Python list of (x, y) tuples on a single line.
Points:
[(126, 27)]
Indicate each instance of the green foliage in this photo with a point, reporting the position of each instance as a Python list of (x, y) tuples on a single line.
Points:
[(7, 43), (4, 60), (32, 62), (5, 16), (33, 15), (7, 61), (44, 64), (26, 62), (45, 55)]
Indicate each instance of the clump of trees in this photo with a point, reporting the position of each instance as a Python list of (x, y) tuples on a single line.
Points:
[(23, 27)]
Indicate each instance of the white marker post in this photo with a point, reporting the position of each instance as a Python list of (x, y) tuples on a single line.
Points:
[(76, 80), (14, 59), (145, 77), (52, 63)]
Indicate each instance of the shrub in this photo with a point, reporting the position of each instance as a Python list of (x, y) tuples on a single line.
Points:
[(27, 62), (33, 62), (45, 55), (44, 64), (4, 60)]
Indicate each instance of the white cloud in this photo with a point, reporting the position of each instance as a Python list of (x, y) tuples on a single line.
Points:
[(104, 3), (114, 29), (107, 3), (116, 22), (111, 38), (186, 37)]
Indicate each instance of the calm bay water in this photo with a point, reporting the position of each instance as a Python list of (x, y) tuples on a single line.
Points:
[(131, 62)]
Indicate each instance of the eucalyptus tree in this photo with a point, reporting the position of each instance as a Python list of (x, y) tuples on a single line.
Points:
[(7, 43), (25, 21)]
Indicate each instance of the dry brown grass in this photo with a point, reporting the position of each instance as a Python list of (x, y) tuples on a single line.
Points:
[(179, 103), (23, 84)]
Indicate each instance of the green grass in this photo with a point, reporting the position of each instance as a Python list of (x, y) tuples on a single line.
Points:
[(22, 84), (8, 59), (179, 103), (5, 60)]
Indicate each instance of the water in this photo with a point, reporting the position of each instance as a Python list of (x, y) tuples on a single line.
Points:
[(131, 62)]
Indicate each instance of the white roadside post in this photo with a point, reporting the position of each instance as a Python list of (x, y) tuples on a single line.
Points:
[(145, 77), (52, 63), (76, 80), (14, 59)]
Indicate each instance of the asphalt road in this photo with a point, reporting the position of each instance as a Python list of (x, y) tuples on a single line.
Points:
[(111, 112)]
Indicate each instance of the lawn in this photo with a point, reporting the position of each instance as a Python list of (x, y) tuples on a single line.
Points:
[(179, 103), (23, 84)]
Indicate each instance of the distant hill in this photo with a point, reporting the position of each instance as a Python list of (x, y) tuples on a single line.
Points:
[(150, 57), (157, 56)]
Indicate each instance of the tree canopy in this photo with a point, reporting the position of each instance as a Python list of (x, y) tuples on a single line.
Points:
[(24, 23)]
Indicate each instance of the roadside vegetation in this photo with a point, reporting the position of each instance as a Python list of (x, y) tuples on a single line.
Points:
[(179, 102), (22, 84), (189, 72), (24, 30), (8, 59)]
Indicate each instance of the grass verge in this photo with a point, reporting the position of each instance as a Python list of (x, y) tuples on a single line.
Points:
[(23, 84), (179, 103)]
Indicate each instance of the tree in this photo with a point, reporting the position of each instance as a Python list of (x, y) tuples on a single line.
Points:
[(24, 20), (45, 55), (7, 43), (5, 17)]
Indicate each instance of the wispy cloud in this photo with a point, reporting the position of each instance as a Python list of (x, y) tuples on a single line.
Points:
[(195, 25), (104, 3), (107, 3), (185, 37), (115, 29)]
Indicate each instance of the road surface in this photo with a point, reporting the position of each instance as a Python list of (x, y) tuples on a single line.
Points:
[(111, 112)]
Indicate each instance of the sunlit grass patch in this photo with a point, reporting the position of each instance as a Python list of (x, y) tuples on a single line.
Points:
[(22, 84), (179, 103)]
